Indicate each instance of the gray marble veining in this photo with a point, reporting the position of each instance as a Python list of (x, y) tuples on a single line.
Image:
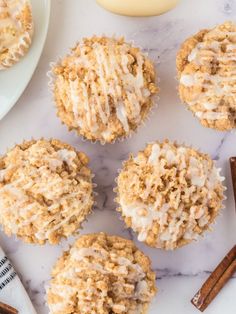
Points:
[(179, 273)]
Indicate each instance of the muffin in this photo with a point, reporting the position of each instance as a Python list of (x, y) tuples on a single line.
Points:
[(104, 88), (169, 194), (16, 31), (206, 65), (45, 191), (101, 274)]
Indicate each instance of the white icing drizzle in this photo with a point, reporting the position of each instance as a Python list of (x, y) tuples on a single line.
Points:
[(119, 307), (209, 106), (155, 153), (218, 85), (121, 115), (79, 255), (108, 76), (67, 155), (144, 214), (216, 80), (74, 94), (143, 223), (187, 80), (212, 115), (94, 259), (2, 175)]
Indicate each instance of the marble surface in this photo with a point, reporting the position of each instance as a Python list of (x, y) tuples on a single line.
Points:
[(179, 273)]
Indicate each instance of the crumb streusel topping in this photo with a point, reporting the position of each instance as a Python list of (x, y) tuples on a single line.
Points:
[(45, 191), (206, 66), (169, 194), (103, 88), (101, 274), (16, 30)]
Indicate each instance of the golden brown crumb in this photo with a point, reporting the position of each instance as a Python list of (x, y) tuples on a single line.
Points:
[(45, 191), (104, 88), (206, 65), (101, 274), (169, 194)]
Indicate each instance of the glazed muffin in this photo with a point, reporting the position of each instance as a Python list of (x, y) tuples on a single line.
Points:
[(169, 194), (101, 274), (45, 191), (104, 88), (206, 65), (16, 31)]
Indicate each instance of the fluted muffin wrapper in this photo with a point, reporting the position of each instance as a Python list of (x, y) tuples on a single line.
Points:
[(155, 98), (200, 236), (19, 51)]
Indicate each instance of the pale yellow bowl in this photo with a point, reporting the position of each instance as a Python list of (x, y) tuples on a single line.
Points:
[(138, 7)]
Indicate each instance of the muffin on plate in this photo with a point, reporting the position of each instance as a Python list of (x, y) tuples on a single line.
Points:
[(16, 31), (46, 191), (169, 194), (101, 274), (206, 65), (104, 88)]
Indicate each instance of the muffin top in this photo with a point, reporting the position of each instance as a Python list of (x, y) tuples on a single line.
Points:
[(169, 194), (101, 274), (104, 88), (45, 191), (206, 65), (16, 29)]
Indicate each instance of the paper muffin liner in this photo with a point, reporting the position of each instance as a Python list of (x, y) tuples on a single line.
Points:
[(64, 240), (18, 52), (154, 98), (210, 225)]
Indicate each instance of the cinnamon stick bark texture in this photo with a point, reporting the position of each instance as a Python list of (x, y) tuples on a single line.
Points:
[(7, 309), (224, 271), (233, 173), (216, 281)]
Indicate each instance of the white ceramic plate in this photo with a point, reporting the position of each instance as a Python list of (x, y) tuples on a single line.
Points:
[(14, 80)]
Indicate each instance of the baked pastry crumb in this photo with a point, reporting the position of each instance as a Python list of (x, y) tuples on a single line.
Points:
[(45, 191), (206, 65), (169, 194), (16, 31), (101, 274), (104, 88)]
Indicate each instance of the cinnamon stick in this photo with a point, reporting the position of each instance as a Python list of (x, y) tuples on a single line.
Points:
[(216, 281), (232, 161), (7, 309)]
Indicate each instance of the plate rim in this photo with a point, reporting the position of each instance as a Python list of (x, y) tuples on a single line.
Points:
[(45, 32)]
